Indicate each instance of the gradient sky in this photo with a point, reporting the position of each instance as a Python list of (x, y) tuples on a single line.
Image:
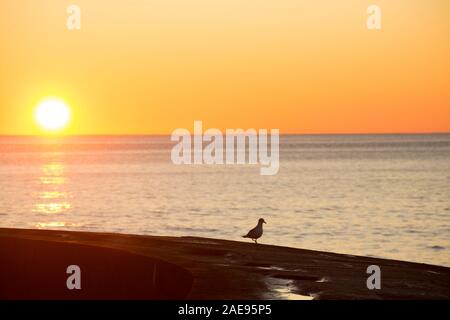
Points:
[(143, 66)]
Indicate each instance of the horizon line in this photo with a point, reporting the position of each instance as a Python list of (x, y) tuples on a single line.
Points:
[(56, 135)]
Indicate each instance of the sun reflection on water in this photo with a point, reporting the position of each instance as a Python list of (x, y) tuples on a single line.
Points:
[(52, 173), (52, 200), (52, 195), (53, 224), (52, 207)]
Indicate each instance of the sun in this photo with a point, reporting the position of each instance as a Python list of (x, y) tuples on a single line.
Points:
[(52, 114)]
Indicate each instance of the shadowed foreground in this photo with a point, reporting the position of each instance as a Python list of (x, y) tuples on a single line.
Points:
[(116, 266)]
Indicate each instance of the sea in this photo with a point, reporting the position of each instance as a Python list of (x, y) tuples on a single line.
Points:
[(373, 195)]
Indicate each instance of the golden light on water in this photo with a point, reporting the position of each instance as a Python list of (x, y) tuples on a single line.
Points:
[(53, 201), (52, 195), (52, 114), (52, 224), (52, 207)]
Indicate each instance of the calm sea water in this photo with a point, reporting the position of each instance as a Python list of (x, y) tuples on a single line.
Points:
[(377, 195)]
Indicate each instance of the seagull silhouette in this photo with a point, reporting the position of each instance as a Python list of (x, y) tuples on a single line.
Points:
[(256, 232)]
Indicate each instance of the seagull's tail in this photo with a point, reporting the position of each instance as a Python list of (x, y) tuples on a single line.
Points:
[(246, 236)]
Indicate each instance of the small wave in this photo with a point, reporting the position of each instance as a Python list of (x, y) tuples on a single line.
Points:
[(190, 229), (413, 231), (436, 247)]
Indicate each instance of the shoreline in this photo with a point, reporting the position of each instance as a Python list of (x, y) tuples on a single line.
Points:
[(124, 266)]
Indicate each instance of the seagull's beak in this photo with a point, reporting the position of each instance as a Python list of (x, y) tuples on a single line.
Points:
[(264, 221)]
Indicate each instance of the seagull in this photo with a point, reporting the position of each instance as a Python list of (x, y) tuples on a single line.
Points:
[(256, 232)]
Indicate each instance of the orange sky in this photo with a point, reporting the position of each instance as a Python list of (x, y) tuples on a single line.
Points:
[(143, 66)]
